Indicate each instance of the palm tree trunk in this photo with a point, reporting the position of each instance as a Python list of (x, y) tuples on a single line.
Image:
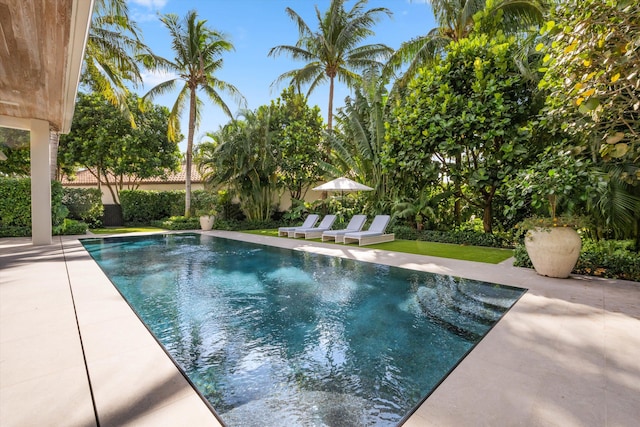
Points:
[(187, 179), (330, 113)]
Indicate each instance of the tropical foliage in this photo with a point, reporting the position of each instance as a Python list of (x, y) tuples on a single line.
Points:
[(470, 116), (105, 143), (14, 152), (456, 20), (592, 58), (297, 135), (358, 140), (198, 57), (243, 158), (335, 49), (592, 73), (110, 56)]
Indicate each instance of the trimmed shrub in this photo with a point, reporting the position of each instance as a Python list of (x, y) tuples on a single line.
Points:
[(15, 206), (174, 201), (70, 227), (58, 211), (140, 206), (144, 207), (521, 256), (14, 231), (613, 259), (178, 223), (84, 204)]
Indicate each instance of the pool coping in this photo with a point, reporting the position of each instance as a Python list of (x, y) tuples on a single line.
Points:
[(563, 355)]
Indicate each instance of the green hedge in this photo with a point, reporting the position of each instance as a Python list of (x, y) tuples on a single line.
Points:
[(84, 204), (15, 206), (145, 206), (71, 227), (613, 259), (178, 223)]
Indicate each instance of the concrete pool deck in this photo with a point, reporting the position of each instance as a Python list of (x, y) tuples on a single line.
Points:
[(73, 353)]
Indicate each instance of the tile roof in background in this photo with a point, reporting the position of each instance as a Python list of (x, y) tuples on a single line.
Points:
[(85, 177)]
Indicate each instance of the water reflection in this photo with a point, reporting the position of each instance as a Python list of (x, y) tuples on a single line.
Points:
[(313, 337)]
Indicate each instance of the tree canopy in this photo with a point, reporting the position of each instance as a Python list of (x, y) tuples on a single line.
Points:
[(105, 143), (592, 67), (469, 114), (456, 20), (297, 134)]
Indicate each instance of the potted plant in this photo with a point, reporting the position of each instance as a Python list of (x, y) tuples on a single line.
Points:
[(553, 243), (207, 211)]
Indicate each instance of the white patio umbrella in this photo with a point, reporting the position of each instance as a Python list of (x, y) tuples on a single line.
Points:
[(342, 184)]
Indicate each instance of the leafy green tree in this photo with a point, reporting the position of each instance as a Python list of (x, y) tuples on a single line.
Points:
[(592, 76), (297, 135), (335, 49), (105, 143), (592, 61), (198, 56), (456, 20), (243, 158), (14, 145), (470, 114)]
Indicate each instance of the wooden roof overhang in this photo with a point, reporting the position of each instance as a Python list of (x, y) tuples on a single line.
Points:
[(42, 46)]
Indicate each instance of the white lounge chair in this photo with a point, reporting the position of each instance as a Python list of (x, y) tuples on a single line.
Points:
[(375, 233), (356, 224), (308, 223), (315, 232)]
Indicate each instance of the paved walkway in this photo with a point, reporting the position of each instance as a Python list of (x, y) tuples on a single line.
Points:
[(73, 353)]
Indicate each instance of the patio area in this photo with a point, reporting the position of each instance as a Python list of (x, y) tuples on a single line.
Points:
[(73, 353)]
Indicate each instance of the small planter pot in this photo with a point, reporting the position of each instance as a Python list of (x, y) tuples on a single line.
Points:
[(206, 222), (553, 251)]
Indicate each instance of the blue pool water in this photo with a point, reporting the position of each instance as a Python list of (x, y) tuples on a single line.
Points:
[(273, 336)]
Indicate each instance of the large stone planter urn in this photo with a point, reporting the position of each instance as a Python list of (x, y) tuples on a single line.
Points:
[(206, 222), (553, 251)]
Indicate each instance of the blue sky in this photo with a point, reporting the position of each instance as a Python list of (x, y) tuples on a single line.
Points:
[(254, 27)]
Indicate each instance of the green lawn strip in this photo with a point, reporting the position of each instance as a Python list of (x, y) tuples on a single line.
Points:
[(443, 250), (447, 250), (119, 230), (273, 232)]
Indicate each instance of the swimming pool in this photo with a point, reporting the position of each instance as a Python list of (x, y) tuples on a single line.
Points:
[(271, 335)]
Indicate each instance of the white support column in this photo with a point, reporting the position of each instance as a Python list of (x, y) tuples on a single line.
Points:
[(40, 183)]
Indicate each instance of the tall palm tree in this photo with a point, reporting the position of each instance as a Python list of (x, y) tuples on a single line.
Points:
[(454, 19), (198, 55), (335, 49), (109, 61)]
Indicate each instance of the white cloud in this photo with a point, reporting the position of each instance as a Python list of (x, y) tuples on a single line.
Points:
[(144, 17), (151, 4), (152, 78)]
